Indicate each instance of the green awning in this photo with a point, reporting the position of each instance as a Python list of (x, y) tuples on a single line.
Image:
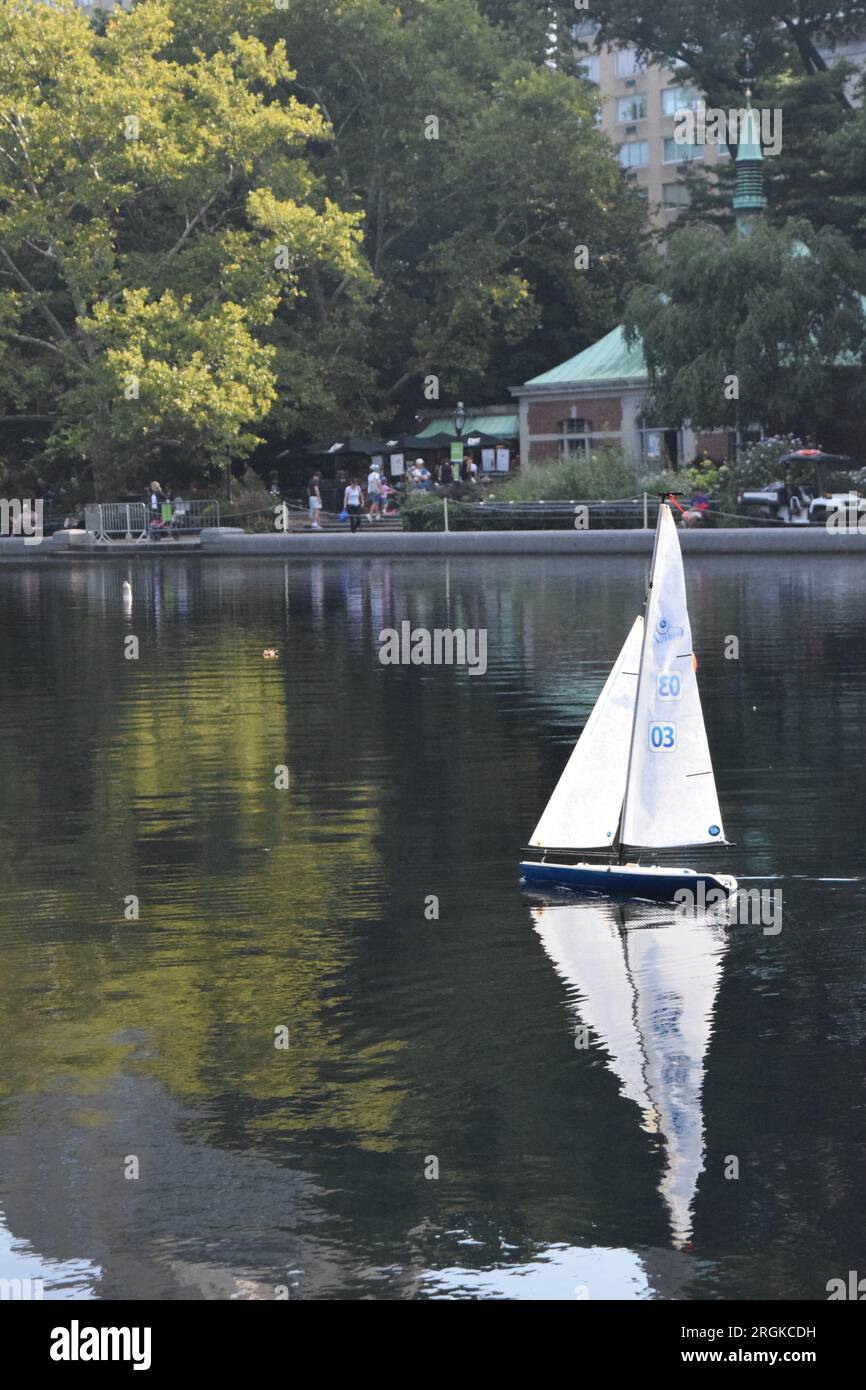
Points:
[(500, 426)]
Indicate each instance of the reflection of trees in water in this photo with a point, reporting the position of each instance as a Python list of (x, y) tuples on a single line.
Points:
[(158, 780)]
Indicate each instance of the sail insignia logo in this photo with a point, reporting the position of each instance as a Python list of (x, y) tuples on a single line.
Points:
[(665, 632)]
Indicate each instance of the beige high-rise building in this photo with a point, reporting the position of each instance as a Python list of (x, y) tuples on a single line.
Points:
[(638, 108)]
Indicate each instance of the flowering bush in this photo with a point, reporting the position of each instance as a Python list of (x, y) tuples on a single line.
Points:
[(716, 480), (759, 462)]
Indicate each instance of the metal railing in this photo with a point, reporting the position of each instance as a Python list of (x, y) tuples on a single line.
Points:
[(105, 522), (109, 522), (629, 513), (193, 515)]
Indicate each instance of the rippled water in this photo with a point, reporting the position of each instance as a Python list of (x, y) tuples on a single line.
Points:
[(583, 1075)]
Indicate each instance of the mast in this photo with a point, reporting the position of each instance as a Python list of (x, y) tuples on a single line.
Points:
[(618, 842)]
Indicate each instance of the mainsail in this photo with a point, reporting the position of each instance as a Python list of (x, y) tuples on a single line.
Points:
[(584, 810), (670, 796), (640, 775)]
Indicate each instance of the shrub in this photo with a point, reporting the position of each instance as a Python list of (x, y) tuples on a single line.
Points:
[(421, 511), (252, 506), (717, 480), (605, 473)]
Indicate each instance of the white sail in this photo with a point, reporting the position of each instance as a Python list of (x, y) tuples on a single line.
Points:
[(671, 792), (584, 810)]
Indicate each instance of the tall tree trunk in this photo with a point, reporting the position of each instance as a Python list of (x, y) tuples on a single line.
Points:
[(101, 456)]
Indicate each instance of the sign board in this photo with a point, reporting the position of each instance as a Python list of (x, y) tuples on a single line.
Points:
[(503, 460), (397, 468), (457, 451), (488, 460)]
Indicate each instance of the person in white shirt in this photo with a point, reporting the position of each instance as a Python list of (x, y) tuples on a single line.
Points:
[(374, 494), (353, 501)]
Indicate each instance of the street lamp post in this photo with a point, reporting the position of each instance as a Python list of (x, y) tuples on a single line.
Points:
[(458, 419)]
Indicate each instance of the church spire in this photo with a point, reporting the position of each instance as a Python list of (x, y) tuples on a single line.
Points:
[(749, 199)]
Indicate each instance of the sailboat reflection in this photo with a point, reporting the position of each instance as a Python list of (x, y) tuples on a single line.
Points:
[(644, 982)]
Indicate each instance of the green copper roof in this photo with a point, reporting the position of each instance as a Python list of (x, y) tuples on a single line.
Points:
[(500, 426), (749, 199), (750, 136), (610, 359)]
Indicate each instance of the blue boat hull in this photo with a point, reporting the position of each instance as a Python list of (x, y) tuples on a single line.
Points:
[(629, 880)]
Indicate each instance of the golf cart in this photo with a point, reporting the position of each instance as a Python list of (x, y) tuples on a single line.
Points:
[(804, 503)]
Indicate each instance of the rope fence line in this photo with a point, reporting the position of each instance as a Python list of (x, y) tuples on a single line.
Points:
[(538, 508)]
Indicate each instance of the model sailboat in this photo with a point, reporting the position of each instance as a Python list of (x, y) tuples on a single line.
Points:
[(640, 777)]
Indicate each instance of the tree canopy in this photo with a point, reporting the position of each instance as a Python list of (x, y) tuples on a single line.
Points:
[(142, 205), (725, 42), (765, 328), (243, 221)]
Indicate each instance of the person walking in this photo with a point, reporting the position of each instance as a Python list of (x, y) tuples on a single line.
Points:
[(314, 496), (353, 501), (374, 494), (157, 497)]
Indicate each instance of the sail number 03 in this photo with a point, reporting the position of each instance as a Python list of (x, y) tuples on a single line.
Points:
[(669, 685), (662, 737)]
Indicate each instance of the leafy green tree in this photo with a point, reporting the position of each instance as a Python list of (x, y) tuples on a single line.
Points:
[(764, 328), (846, 185), (478, 170), (154, 217)]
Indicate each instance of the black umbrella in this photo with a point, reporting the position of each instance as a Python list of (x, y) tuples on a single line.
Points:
[(409, 443)]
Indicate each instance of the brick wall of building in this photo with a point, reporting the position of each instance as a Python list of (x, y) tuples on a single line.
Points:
[(716, 445), (604, 412), (544, 451)]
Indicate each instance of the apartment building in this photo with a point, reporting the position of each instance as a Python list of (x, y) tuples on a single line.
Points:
[(637, 113), (639, 103)]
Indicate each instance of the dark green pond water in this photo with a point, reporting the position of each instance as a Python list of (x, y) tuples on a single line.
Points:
[(586, 1080)]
